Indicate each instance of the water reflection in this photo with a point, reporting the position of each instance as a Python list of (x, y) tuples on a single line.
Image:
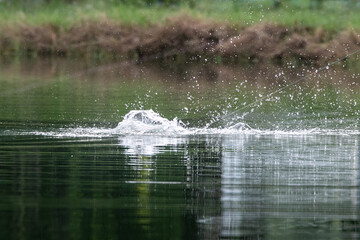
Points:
[(291, 183), (149, 145), (81, 94), (198, 187), (258, 186), (276, 184)]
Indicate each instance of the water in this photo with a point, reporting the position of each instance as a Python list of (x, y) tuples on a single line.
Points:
[(82, 156)]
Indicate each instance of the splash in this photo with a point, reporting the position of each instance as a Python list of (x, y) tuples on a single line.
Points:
[(150, 123)]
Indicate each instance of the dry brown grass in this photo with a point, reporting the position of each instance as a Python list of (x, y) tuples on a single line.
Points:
[(180, 36)]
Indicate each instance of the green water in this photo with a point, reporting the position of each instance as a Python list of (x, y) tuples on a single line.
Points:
[(295, 175)]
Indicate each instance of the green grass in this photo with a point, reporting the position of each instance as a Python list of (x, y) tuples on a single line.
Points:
[(333, 16)]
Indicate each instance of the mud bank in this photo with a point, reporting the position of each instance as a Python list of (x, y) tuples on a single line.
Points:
[(180, 39)]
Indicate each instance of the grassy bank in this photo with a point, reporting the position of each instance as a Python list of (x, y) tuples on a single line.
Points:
[(334, 15), (230, 30)]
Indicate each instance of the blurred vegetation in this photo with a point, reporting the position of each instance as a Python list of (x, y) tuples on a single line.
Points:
[(330, 14), (274, 3), (59, 16)]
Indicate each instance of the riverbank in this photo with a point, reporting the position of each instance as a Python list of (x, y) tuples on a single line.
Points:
[(143, 34), (180, 39)]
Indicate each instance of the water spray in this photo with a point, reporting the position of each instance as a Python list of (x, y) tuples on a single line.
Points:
[(254, 103)]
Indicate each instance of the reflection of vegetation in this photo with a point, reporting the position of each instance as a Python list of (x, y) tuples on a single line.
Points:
[(77, 190), (70, 189), (104, 97), (143, 188)]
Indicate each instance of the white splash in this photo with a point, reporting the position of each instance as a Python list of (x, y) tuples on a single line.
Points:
[(150, 123)]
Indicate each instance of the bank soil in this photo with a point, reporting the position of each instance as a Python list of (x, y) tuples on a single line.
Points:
[(180, 39)]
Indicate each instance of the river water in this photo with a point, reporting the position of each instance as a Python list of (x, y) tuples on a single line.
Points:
[(123, 151)]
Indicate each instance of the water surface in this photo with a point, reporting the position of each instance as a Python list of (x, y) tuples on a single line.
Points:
[(208, 167)]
